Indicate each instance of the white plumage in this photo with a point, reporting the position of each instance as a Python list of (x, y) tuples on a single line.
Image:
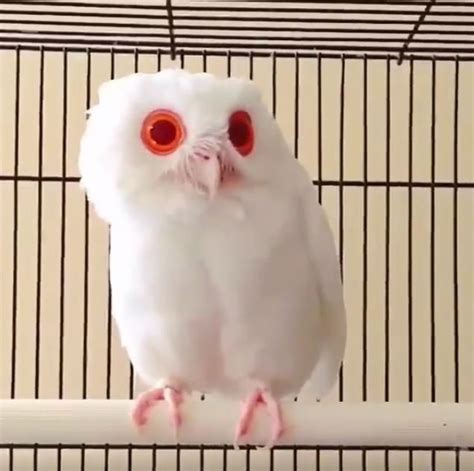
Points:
[(224, 272)]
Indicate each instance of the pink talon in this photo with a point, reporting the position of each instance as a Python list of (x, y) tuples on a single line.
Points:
[(247, 414), (147, 400)]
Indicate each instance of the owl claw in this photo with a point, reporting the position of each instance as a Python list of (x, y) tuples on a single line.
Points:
[(247, 414), (147, 400)]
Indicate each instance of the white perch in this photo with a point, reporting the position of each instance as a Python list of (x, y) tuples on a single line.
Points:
[(212, 422)]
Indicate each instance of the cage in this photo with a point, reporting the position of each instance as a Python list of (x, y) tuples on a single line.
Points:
[(376, 99)]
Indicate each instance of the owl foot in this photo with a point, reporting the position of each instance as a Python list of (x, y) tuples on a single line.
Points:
[(258, 397), (147, 400)]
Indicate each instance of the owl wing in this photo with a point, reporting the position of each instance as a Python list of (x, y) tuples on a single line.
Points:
[(326, 268)]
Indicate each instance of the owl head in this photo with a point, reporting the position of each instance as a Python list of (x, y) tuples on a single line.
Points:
[(177, 132)]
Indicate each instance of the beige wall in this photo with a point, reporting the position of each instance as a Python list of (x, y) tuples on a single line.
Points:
[(74, 224)]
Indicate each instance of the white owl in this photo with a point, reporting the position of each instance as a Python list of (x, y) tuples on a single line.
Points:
[(224, 272)]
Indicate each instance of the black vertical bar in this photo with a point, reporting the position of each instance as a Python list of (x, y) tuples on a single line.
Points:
[(201, 458), (341, 195), (229, 63), (410, 247), (158, 60), (136, 59), (272, 460), (274, 84), (365, 238), (63, 226), (456, 453), (39, 225), (109, 295), (318, 459), (86, 252), (410, 236), (387, 247), (106, 457), (181, 60), (15, 229), (455, 234), (320, 129), (297, 104), (387, 232), (295, 459), (204, 61), (131, 383), (432, 244), (251, 65), (432, 235), (178, 457), (35, 446), (59, 458), (341, 216), (130, 458), (364, 459), (11, 459), (153, 459), (224, 459), (83, 458), (169, 9), (247, 459)]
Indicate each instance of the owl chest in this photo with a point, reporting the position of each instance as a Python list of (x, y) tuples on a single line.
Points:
[(181, 267)]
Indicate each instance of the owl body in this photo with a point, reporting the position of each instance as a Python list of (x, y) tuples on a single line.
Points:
[(193, 308), (223, 269)]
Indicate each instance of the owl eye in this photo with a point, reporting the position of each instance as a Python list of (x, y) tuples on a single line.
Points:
[(241, 132), (162, 132)]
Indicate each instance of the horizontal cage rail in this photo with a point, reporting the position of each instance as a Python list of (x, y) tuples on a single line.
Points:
[(423, 28)]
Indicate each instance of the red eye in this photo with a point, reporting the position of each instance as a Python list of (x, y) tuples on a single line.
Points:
[(162, 132), (241, 132)]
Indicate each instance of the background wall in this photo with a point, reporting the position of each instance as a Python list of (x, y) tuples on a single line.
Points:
[(56, 299)]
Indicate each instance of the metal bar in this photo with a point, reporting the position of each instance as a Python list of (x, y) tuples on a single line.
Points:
[(39, 226), (455, 234), (109, 291), (416, 27), (342, 93), (320, 129), (16, 157), (240, 27), (86, 250), (133, 44), (432, 233), (63, 227), (365, 234), (70, 36), (169, 10), (387, 232), (352, 183), (240, 53), (410, 234)]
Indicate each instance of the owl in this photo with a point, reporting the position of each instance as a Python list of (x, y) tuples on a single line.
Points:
[(223, 268)]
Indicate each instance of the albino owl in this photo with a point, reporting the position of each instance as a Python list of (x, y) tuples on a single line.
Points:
[(224, 273)]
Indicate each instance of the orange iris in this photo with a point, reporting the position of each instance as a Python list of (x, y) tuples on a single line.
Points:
[(162, 132), (241, 132)]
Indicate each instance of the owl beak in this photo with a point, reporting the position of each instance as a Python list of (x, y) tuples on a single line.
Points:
[(211, 168), (206, 173)]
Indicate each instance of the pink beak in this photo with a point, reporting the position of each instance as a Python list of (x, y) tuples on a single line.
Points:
[(207, 171)]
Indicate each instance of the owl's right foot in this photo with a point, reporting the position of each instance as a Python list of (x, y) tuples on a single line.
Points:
[(147, 400)]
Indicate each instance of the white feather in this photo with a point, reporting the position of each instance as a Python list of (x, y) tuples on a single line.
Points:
[(214, 294)]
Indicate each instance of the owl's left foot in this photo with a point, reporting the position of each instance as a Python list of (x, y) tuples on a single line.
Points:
[(147, 400), (263, 397)]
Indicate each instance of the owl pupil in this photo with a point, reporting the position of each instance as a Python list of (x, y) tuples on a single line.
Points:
[(239, 134), (163, 132)]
